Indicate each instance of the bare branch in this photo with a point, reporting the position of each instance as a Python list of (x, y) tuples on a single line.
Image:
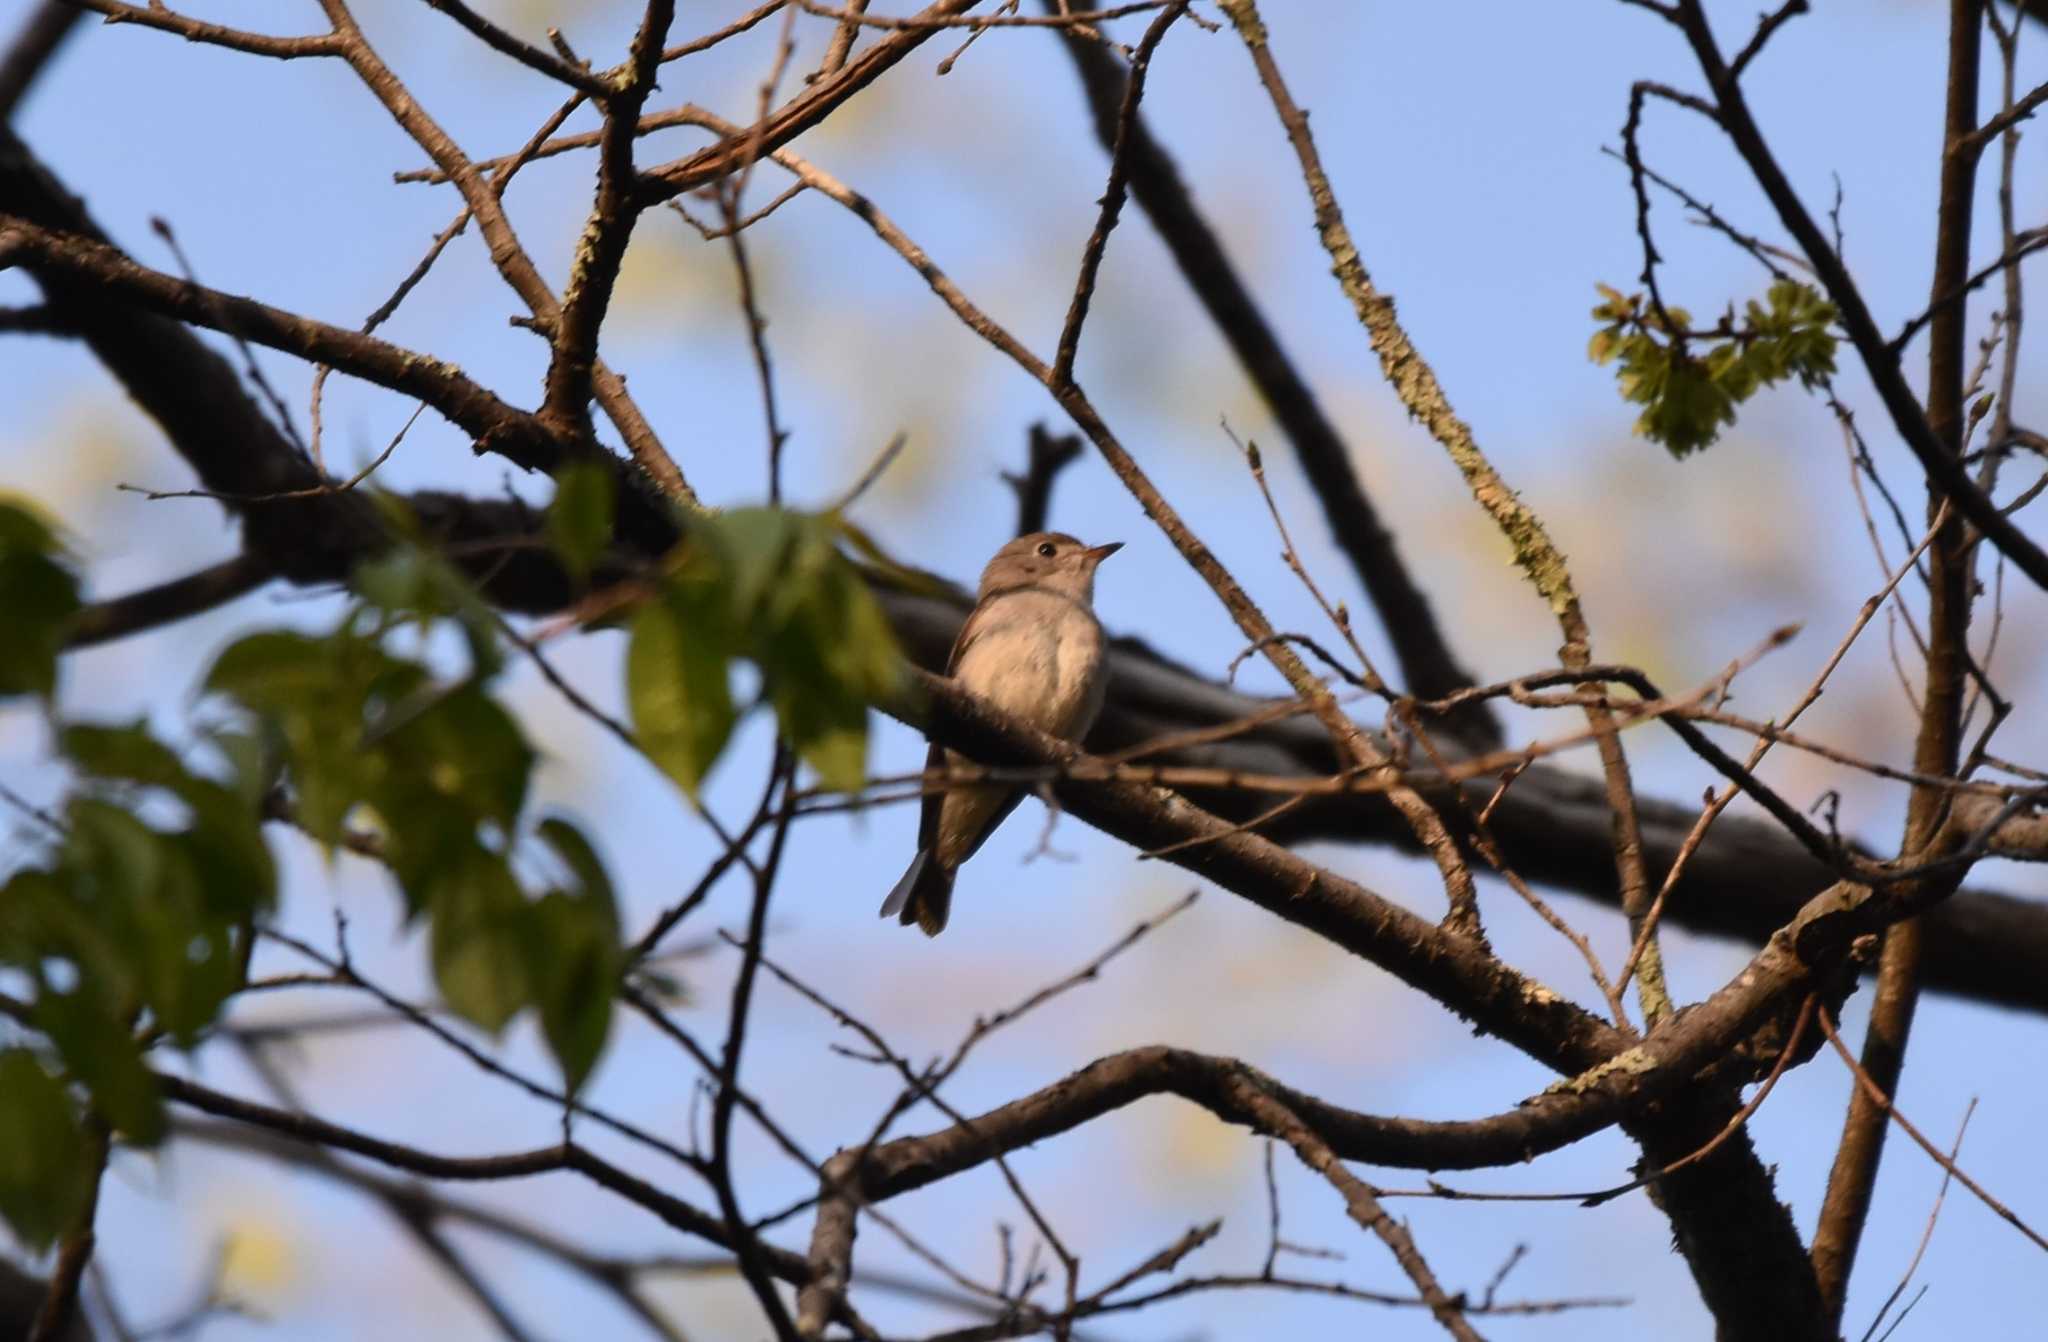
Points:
[(1428, 667), (528, 55)]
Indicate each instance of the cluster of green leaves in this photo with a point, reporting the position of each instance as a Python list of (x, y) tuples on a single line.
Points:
[(39, 594), (1689, 395), (437, 770), (125, 924), (772, 588), (125, 918)]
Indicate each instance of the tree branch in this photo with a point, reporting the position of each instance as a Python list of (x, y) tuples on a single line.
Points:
[(793, 118), (1429, 669), (81, 262), (32, 49), (165, 603), (1945, 475), (1937, 746)]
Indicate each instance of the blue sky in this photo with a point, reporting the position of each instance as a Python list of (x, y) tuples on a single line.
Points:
[(1464, 142)]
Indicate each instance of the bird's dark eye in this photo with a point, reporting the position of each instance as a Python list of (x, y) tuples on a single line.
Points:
[(1045, 548)]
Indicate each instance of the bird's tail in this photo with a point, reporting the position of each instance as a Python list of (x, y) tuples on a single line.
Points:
[(924, 896)]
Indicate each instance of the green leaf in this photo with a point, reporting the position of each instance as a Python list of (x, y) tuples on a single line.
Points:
[(142, 890), (225, 839), (579, 520), (44, 918), (39, 596), (820, 715), (576, 973), (886, 565), (127, 752), (480, 942), (678, 689), (100, 1052), (752, 548), (860, 645), (225, 845), (831, 657), (1688, 397), (274, 671), (577, 854), (23, 527), (830, 737), (44, 1175), (467, 748), (413, 584)]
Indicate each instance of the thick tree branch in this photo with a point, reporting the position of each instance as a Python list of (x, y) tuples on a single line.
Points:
[(1454, 969), (1938, 743), (32, 49), (165, 603), (77, 262)]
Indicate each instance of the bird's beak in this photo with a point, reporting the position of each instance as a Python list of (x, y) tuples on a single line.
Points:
[(1102, 552)]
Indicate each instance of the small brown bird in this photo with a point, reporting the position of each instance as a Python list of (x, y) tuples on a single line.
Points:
[(1033, 648)]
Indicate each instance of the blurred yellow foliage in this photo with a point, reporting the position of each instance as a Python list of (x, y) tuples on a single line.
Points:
[(259, 1262)]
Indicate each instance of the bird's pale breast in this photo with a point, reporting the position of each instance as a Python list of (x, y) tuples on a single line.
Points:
[(1036, 655)]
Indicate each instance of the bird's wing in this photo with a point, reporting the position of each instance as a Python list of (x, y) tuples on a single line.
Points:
[(935, 758), (996, 817), (928, 815)]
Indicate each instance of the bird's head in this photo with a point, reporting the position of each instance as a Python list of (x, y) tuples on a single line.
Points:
[(1049, 559)]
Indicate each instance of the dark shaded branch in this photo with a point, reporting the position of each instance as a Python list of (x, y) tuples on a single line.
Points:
[(33, 47), (1454, 969), (1737, 1237), (179, 599), (1049, 454), (75, 262), (36, 319)]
